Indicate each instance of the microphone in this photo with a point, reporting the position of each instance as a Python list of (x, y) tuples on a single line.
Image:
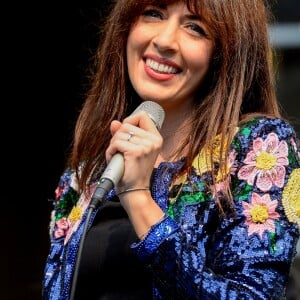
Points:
[(115, 168)]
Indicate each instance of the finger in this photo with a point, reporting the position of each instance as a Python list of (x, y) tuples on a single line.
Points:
[(120, 141), (136, 135), (147, 140), (141, 120), (139, 143), (114, 126)]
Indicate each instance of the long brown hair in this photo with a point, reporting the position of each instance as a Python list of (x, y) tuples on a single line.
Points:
[(240, 81)]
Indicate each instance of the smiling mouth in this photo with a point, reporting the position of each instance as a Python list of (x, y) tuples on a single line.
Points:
[(160, 68)]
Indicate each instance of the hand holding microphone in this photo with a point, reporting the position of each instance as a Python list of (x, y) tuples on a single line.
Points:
[(136, 142)]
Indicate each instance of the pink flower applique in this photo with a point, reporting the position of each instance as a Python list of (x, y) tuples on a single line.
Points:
[(260, 214), (267, 162), (61, 227), (232, 163), (295, 147), (58, 192)]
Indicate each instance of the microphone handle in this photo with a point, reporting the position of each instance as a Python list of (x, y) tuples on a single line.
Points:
[(115, 169), (110, 177)]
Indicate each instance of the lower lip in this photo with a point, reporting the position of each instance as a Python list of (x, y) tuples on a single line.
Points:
[(158, 76)]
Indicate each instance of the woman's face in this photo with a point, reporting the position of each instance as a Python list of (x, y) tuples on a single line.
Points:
[(168, 54)]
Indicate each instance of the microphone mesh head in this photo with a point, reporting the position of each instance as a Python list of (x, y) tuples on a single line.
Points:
[(154, 110)]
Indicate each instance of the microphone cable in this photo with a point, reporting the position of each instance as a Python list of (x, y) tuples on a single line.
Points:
[(104, 186)]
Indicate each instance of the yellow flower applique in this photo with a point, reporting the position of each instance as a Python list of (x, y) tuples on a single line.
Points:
[(75, 214), (202, 162), (291, 197)]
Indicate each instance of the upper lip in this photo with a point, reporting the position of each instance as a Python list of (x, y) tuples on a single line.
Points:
[(163, 60)]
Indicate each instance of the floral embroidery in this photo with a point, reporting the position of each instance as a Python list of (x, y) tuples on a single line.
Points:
[(182, 187), (66, 194), (68, 180), (61, 228), (230, 166), (176, 186), (66, 202), (223, 179), (69, 207), (75, 214), (294, 145), (190, 191), (203, 162), (291, 197), (267, 162), (260, 214)]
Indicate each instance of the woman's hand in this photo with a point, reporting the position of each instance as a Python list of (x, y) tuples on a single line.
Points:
[(138, 139)]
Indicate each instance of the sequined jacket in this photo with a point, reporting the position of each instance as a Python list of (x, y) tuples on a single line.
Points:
[(195, 252)]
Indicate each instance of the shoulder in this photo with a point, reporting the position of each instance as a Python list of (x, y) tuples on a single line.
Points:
[(66, 193), (262, 126), (267, 145), (66, 181), (266, 132), (267, 163), (66, 196)]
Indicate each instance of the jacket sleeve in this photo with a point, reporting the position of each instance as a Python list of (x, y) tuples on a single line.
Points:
[(66, 197), (245, 255)]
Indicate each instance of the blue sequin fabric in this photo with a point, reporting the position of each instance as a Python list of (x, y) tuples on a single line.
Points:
[(196, 252)]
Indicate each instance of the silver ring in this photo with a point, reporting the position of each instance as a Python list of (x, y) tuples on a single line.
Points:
[(130, 135)]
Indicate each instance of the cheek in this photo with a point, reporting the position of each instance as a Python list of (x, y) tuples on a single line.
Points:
[(133, 45), (199, 58), (137, 38), (137, 42)]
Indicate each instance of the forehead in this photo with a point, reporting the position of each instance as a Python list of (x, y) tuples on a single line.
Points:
[(194, 6)]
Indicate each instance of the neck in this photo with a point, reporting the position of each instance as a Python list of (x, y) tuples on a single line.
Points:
[(175, 129)]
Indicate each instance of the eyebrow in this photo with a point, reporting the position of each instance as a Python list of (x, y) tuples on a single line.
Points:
[(193, 17)]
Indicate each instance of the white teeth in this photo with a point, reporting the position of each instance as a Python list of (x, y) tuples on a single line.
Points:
[(160, 67)]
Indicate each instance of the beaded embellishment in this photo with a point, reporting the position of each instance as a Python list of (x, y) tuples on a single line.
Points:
[(291, 197)]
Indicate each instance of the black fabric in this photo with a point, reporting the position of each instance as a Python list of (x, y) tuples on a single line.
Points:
[(109, 270)]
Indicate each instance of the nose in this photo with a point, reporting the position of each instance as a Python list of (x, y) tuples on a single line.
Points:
[(167, 37)]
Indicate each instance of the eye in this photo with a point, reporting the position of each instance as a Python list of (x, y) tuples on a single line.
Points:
[(199, 30), (153, 13)]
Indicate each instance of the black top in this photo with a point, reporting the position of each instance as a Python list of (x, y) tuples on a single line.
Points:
[(108, 269)]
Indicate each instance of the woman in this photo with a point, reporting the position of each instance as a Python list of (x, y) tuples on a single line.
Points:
[(207, 207)]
